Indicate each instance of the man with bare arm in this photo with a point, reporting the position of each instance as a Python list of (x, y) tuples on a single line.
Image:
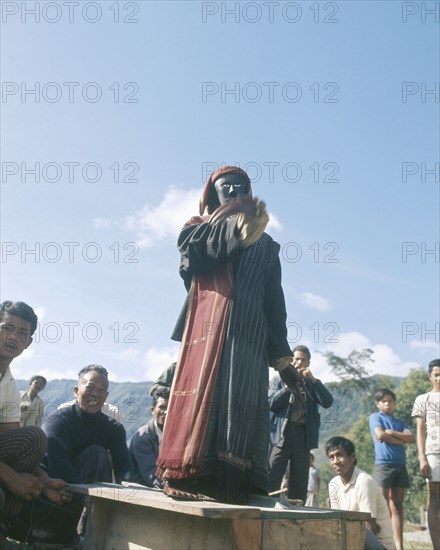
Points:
[(21, 449), (427, 412)]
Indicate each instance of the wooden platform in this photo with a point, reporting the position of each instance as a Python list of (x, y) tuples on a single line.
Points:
[(136, 517)]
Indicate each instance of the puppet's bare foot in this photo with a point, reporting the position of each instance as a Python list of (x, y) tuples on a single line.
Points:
[(171, 490)]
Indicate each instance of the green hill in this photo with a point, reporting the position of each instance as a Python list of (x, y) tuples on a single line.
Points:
[(134, 403)]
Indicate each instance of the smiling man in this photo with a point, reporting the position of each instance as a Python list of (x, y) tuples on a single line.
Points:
[(80, 436), (21, 449), (355, 490), (84, 444)]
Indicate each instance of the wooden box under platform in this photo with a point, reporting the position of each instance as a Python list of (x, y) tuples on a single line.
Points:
[(135, 517)]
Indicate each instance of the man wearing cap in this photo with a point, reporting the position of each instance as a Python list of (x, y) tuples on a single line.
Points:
[(232, 327)]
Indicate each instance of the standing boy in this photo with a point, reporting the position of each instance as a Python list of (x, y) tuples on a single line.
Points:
[(427, 412), (390, 435), (31, 404)]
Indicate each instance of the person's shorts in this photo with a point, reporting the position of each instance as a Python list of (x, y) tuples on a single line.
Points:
[(391, 475), (434, 462)]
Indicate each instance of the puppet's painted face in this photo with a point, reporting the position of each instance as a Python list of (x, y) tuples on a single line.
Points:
[(230, 186)]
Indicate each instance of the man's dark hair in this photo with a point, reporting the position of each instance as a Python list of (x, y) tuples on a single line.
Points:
[(304, 349), (38, 377), (340, 441), (432, 364), (20, 309), (382, 393), (97, 368), (161, 392)]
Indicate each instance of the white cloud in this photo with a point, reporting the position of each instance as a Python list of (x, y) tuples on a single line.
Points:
[(26, 356), (386, 361), (23, 369), (153, 225), (274, 223), (314, 301), (425, 347), (40, 312), (156, 360)]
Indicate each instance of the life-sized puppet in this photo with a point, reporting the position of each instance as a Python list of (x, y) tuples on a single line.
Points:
[(232, 327)]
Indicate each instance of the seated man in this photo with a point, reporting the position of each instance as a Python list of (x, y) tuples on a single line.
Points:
[(84, 444), (80, 435), (21, 449), (353, 489), (31, 404), (145, 444)]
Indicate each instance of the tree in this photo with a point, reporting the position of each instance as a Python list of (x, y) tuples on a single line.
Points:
[(354, 368)]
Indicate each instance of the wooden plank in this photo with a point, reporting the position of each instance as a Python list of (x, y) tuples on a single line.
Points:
[(355, 534), (246, 533), (302, 535), (97, 522), (306, 513), (134, 527), (143, 496), (264, 507)]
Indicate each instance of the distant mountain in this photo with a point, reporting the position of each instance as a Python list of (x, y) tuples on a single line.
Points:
[(134, 403)]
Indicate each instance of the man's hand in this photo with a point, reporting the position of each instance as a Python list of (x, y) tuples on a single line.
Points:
[(306, 373), (281, 363), (373, 526), (26, 486), (425, 468), (57, 491)]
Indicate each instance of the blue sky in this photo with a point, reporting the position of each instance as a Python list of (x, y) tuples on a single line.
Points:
[(332, 107)]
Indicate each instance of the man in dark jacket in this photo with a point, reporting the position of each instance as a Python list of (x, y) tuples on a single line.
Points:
[(294, 425), (84, 444), (145, 444)]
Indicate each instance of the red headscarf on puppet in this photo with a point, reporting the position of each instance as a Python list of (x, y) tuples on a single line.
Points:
[(206, 197)]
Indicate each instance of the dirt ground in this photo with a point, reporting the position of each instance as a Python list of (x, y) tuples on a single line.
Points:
[(416, 539)]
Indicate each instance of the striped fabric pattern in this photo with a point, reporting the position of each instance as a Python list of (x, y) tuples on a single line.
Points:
[(21, 449)]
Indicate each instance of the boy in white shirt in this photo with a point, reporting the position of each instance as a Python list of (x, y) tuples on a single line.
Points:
[(427, 412)]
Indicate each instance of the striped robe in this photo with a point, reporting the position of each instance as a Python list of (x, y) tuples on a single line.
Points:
[(238, 426)]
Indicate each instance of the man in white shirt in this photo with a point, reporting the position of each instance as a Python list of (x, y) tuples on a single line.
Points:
[(31, 404), (427, 412), (355, 490), (21, 449)]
